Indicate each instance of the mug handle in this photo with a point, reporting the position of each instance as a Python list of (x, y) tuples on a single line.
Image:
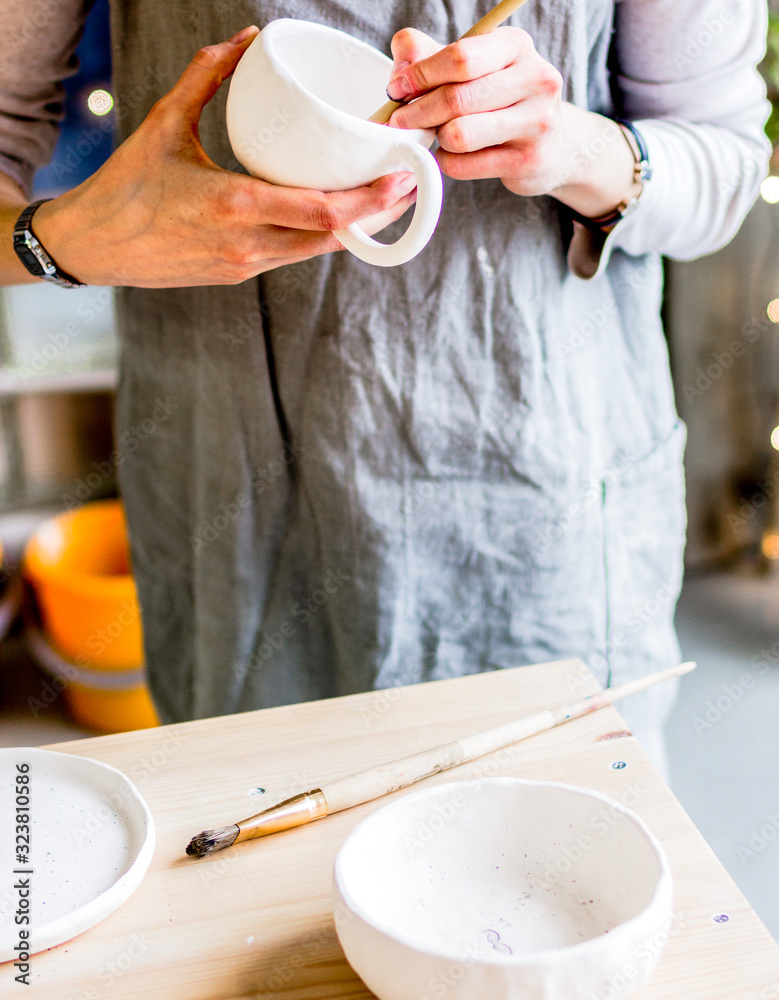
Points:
[(423, 222)]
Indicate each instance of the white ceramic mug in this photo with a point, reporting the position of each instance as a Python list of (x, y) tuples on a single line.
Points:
[(296, 116)]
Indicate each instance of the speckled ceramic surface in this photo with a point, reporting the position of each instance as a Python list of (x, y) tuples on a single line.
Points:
[(296, 116), (91, 841), (502, 888)]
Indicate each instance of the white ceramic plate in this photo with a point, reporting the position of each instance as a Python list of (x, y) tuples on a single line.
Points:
[(91, 841)]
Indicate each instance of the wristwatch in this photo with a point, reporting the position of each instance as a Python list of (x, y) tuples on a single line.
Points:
[(642, 172), (31, 253)]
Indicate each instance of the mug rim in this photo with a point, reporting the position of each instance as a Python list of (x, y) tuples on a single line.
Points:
[(314, 27)]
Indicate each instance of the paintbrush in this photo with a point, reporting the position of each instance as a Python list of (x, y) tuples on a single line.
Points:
[(499, 13), (343, 793)]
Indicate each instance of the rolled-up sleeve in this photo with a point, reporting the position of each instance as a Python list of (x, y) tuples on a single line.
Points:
[(687, 76), (39, 38)]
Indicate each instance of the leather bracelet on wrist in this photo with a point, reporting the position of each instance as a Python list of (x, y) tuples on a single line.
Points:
[(32, 254), (642, 172)]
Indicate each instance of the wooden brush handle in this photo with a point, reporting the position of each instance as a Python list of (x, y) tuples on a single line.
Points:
[(499, 13), (493, 19), (371, 784), (375, 782)]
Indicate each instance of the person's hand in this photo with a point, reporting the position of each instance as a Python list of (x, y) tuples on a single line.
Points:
[(497, 106), (160, 213), (495, 102)]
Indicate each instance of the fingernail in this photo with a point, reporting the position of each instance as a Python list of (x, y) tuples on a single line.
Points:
[(399, 88), (408, 184), (244, 34)]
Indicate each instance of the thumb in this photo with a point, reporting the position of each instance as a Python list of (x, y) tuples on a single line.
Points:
[(410, 45), (205, 74)]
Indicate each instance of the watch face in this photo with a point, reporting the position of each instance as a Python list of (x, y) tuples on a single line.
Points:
[(26, 253), (30, 252)]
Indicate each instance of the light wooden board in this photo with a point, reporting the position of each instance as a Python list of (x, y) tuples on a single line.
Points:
[(255, 921)]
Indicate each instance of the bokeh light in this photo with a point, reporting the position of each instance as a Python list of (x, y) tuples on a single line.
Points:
[(775, 438), (770, 545), (100, 102), (769, 190), (773, 310)]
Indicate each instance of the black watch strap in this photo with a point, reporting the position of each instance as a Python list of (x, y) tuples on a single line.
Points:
[(33, 255), (642, 171)]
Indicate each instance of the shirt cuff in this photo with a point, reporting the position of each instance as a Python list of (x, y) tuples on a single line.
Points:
[(590, 250)]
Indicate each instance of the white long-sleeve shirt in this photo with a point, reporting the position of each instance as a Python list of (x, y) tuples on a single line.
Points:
[(686, 74)]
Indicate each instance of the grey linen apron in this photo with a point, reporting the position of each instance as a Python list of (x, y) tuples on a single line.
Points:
[(361, 477)]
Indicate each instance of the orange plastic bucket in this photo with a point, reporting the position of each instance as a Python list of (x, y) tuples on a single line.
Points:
[(111, 713), (111, 701), (78, 564)]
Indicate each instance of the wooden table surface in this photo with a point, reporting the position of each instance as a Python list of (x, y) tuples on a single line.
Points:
[(255, 921)]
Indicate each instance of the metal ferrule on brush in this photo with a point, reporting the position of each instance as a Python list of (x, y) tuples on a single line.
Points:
[(297, 811)]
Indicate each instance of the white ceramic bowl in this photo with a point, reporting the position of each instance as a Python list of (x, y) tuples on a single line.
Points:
[(502, 888)]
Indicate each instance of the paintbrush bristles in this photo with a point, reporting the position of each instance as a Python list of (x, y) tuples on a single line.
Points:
[(211, 841)]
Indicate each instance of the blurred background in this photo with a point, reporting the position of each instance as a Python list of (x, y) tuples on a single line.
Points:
[(76, 677)]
